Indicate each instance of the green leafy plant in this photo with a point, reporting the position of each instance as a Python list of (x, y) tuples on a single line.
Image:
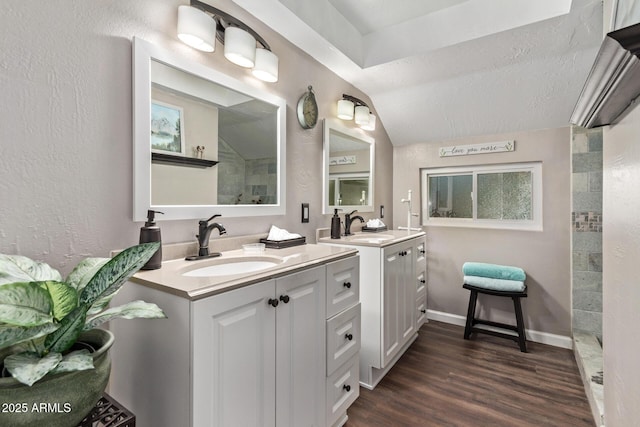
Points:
[(42, 316)]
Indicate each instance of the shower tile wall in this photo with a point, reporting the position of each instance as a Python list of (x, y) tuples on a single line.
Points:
[(586, 220)]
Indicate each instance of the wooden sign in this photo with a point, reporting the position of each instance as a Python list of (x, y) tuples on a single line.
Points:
[(486, 148)]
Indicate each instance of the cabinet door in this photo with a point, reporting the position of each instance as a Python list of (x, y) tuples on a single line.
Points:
[(398, 322), (300, 345), (234, 358)]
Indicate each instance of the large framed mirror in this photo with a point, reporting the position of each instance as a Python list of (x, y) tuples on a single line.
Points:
[(204, 142), (348, 168)]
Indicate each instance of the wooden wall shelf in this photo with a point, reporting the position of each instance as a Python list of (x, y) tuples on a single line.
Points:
[(182, 161)]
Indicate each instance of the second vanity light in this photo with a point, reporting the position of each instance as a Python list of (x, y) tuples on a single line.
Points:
[(352, 108), (199, 25)]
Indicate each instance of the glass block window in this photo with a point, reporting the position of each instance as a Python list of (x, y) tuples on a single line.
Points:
[(496, 196)]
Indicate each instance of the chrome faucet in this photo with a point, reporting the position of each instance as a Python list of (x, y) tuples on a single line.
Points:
[(348, 219), (204, 231)]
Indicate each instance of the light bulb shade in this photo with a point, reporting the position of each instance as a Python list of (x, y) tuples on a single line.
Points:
[(362, 115), (196, 28), (372, 123), (345, 109), (266, 67), (239, 47)]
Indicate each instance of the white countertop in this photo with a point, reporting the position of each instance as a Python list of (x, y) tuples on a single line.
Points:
[(378, 239), (170, 277)]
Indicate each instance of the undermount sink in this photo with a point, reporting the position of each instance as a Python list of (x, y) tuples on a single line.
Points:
[(236, 265)]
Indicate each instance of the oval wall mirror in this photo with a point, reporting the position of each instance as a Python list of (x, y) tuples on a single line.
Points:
[(204, 142)]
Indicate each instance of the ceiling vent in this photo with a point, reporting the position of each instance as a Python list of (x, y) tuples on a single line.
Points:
[(614, 80)]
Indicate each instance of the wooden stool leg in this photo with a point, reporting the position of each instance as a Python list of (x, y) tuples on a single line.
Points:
[(522, 339), (471, 312)]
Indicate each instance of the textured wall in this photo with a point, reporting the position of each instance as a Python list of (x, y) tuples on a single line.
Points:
[(66, 159), (621, 285), (543, 255)]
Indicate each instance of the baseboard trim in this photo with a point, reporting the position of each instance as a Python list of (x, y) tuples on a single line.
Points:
[(535, 336)]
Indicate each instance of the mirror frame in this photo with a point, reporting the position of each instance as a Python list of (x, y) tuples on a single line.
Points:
[(145, 52), (356, 133)]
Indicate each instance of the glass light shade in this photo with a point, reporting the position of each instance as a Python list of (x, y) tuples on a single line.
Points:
[(362, 115), (372, 123), (266, 67), (239, 47), (196, 28), (345, 109)]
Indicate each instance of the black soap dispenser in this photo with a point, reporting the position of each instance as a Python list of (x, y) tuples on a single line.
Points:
[(335, 225), (151, 233)]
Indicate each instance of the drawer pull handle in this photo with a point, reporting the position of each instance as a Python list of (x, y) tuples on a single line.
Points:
[(284, 298), (347, 387), (273, 302), (349, 337), (347, 285)]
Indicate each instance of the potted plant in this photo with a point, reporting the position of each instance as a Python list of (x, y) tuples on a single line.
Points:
[(54, 357)]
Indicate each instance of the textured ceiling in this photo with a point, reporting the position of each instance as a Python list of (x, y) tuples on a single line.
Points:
[(447, 69)]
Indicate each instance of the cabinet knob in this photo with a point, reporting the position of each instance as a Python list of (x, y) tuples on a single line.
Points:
[(423, 311), (423, 281), (284, 298), (347, 285), (273, 302), (422, 251), (347, 387), (349, 337)]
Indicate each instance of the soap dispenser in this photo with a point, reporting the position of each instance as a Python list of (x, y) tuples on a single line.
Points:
[(151, 233), (335, 225)]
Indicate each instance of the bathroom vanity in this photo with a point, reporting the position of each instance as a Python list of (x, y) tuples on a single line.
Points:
[(276, 346), (393, 294)]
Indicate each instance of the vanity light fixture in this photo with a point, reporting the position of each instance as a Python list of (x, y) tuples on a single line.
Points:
[(199, 25), (350, 107)]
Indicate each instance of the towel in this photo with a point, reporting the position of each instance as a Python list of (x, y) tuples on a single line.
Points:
[(495, 284), (375, 223), (278, 234), (493, 271)]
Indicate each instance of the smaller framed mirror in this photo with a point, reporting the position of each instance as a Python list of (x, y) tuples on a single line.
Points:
[(348, 168)]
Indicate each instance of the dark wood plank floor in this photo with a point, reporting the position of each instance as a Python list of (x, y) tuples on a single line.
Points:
[(443, 380)]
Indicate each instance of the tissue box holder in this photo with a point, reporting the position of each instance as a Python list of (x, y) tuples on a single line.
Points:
[(279, 244), (374, 229)]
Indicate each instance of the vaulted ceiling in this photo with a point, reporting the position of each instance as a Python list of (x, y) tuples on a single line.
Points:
[(444, 69)]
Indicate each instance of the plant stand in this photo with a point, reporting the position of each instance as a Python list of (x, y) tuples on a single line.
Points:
[(109, 413)]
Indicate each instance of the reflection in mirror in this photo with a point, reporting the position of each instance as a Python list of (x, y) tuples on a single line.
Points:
[(348, 168), (204, 142)]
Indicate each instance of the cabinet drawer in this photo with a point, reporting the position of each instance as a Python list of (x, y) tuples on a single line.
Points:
[(421, 282), (421, 309), (343, 337), (343, 388), (343, 285)]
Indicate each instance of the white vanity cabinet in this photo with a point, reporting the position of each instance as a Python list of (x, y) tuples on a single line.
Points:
[(393, 295), (253, 356)]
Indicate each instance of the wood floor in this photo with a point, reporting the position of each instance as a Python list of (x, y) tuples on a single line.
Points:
[(443, 380)]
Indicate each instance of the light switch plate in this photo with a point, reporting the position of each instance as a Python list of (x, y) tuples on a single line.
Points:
[(305, 212)]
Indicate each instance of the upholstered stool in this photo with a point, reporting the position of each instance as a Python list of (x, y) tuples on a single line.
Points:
[(501, 281)]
